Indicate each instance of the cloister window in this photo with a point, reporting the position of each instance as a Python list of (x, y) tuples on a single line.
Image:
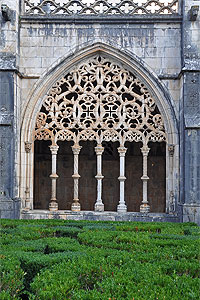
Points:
[(100, 101)]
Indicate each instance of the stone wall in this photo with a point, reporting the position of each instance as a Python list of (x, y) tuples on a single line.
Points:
[(9, 130), (157, 44), (168, 46), (190, 113)]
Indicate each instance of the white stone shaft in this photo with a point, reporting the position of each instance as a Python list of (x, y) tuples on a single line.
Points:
[(76, 150), (122, 205), (53, 203), (28, 147), (99, 206), (145, 206)]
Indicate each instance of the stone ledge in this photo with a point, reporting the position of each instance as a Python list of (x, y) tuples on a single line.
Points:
[(191, 204), (142, 19), (99, 216)]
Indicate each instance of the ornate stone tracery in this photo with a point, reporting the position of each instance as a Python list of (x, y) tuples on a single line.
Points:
[(102, 101), (98, 7)]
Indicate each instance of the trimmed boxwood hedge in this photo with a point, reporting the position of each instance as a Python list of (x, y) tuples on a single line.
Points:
[(58, 260), (11, 278)]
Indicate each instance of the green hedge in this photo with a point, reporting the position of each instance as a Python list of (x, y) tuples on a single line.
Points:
[(11, 278), (90, 277), (58, 259)]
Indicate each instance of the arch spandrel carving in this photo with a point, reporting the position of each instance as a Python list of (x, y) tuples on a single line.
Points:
[(99, 100)]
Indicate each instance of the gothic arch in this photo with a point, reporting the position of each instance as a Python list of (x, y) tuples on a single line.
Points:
[(143, 77)]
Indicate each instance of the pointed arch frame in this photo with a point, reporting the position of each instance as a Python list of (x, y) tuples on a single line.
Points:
[(131, 63)]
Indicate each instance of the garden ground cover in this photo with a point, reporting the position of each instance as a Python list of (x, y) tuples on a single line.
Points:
[(58, 260)]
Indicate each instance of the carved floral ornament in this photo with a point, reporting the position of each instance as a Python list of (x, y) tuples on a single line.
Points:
[(96, 7), (102, 101)]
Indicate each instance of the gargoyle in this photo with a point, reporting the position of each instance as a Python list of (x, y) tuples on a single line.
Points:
[(6, 12)]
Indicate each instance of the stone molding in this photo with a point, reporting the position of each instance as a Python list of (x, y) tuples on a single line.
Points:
[(109, 19)]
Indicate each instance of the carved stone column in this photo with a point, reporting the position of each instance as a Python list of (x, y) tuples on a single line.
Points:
[(28, 146), (145, 205), (122, 206), (53, 205), (76, 205), (170, 205), (99, 206)]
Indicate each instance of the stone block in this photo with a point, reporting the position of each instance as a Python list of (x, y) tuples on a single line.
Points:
[(191, 213), (47, 62), (31, 71), (59, 51), (172, 52), (6, 93), (5, 204), (28, 52), (139, 51), (153, 62), (168, 41), (7, 60), (192, 99), (192, 164), (149, 42), (44, 51), (7, 214), (159, 32), (10, 35), (173, 63)]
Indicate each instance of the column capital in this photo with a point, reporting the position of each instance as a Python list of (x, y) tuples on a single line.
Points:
[(55, 176), (122, 151), (145, 178), (171, 148), (76, 176), (76, 149), (54, 149), (99, 149), (145, 150), (28, 146)]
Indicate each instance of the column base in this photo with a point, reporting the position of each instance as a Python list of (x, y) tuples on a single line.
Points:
[(53, 206), (27, 205), (144, 208), (121, 208), (99, 207), (75, 206), (27, 208)]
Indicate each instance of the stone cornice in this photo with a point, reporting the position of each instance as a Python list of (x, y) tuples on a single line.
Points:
[(113, 19)]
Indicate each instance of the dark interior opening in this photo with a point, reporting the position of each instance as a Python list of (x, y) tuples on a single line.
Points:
[(110, 171), (156, 172)]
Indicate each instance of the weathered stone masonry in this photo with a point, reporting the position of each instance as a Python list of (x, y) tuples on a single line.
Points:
[(158, 41)]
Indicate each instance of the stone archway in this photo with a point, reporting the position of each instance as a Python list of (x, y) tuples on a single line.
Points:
[(99, 101), (101, 98)]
